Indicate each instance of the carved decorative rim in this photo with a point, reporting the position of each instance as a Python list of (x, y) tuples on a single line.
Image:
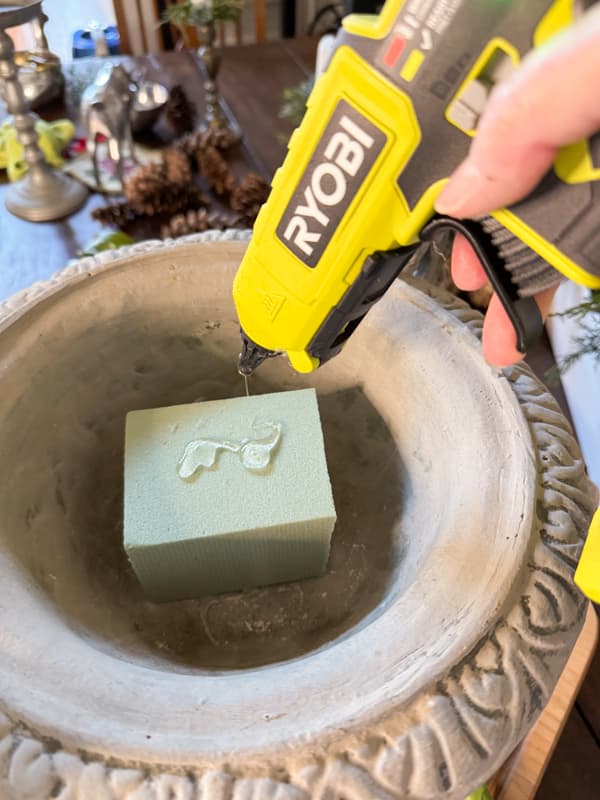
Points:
[(488, 702)]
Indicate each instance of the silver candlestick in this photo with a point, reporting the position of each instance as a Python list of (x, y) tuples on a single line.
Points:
[(217, 116), (211, 60), (41, 43), (42, 194)]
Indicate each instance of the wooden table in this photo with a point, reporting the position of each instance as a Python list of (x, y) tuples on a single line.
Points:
[(252, 81), (520, 777)]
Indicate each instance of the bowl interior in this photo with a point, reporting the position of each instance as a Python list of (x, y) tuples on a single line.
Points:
[(398, 426), (434, 483), (62, 495)]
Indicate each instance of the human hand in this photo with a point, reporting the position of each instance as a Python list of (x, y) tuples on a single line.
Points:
[(549, 102)]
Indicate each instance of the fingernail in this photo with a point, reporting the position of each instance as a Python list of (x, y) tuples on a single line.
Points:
[(462, 187)]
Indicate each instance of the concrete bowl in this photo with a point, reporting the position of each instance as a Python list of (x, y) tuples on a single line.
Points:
[(410, 670)]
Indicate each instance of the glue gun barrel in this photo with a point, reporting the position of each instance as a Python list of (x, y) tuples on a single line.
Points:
[(252, 355)]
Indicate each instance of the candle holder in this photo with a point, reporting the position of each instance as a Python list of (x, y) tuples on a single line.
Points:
[(203, 15), (43, 194), (211, 62)]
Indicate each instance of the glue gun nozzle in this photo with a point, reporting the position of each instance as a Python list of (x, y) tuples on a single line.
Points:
[(252, 355), (244, 369)]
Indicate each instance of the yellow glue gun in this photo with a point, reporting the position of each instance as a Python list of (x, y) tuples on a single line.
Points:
[(386, 124)]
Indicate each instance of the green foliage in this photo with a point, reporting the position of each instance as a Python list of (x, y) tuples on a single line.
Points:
[(294, 101), (588, 340), (481, 794), (188, 12), (109, 240)]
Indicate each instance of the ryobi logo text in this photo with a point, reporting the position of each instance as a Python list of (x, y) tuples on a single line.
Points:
[(345, 154)]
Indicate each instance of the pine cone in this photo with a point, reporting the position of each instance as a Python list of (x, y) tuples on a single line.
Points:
[(189, 143), (249, 195), (194, 143), (221, 138), (144, 186), (216, 170), (149, 189), (180, 111), (195, 222), (118, 214), (177, 166), (181, 224)]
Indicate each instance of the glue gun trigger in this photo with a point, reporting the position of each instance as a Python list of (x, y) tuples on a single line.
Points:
[(523, 312)]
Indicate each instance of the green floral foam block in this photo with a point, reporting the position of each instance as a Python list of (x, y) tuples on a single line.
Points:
[(227, 494)]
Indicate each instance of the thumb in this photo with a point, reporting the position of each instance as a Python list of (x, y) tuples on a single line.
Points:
[(549, 102)]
